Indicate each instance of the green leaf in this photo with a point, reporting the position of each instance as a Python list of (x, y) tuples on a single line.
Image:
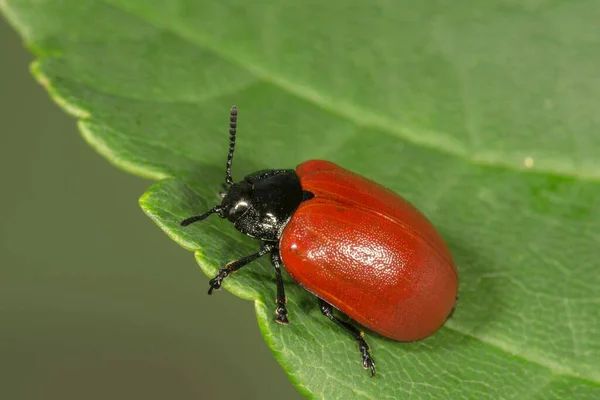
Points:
[(483, 114)]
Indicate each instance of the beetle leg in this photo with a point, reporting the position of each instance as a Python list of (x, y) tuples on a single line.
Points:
[(280, 311), (215, 283), (367, 361)]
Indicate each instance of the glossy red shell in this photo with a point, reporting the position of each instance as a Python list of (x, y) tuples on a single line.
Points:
[(370, 253)]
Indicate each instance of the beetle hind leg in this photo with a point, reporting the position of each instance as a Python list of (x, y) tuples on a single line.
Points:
[(363, 347)]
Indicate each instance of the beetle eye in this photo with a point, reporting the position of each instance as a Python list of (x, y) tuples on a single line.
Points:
[(238, 209)]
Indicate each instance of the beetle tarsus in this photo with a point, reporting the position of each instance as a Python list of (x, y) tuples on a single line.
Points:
[(281, 314), (215, 283), (363, 347), (367, 360), (281, 310)]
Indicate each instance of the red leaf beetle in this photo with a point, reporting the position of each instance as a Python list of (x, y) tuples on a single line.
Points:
[(357, 246)]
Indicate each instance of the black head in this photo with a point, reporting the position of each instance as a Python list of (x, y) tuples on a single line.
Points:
[(260, 205)]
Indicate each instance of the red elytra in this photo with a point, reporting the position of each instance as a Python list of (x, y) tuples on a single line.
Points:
[(370, 253), (354, 244)]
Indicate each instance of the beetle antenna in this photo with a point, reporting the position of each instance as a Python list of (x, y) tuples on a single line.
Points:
[(197, 218), (232, 131)]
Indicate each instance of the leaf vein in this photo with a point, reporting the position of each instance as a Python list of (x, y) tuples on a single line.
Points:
[(355, 114)]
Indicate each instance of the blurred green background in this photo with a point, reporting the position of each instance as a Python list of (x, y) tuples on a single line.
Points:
[(95, 301)]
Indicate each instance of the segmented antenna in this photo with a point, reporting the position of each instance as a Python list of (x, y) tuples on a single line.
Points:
[(197, 218), (232, 130)]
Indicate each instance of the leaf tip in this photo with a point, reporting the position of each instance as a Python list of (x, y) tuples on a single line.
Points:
[(144, 200)]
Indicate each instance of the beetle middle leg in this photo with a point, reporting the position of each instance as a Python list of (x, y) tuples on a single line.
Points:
[(215, 283), (367, 361), (281, 310)]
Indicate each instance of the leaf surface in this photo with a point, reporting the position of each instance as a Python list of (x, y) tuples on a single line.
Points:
[(483, 114)]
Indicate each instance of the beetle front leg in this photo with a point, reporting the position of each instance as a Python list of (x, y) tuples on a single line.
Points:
[(363, 347), (215, 283), (281, 310)]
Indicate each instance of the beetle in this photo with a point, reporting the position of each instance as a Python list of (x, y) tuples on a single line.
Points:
[(358, 247)]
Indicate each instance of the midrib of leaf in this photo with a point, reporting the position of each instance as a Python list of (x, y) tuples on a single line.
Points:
[(359, 116), (533, 357)]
